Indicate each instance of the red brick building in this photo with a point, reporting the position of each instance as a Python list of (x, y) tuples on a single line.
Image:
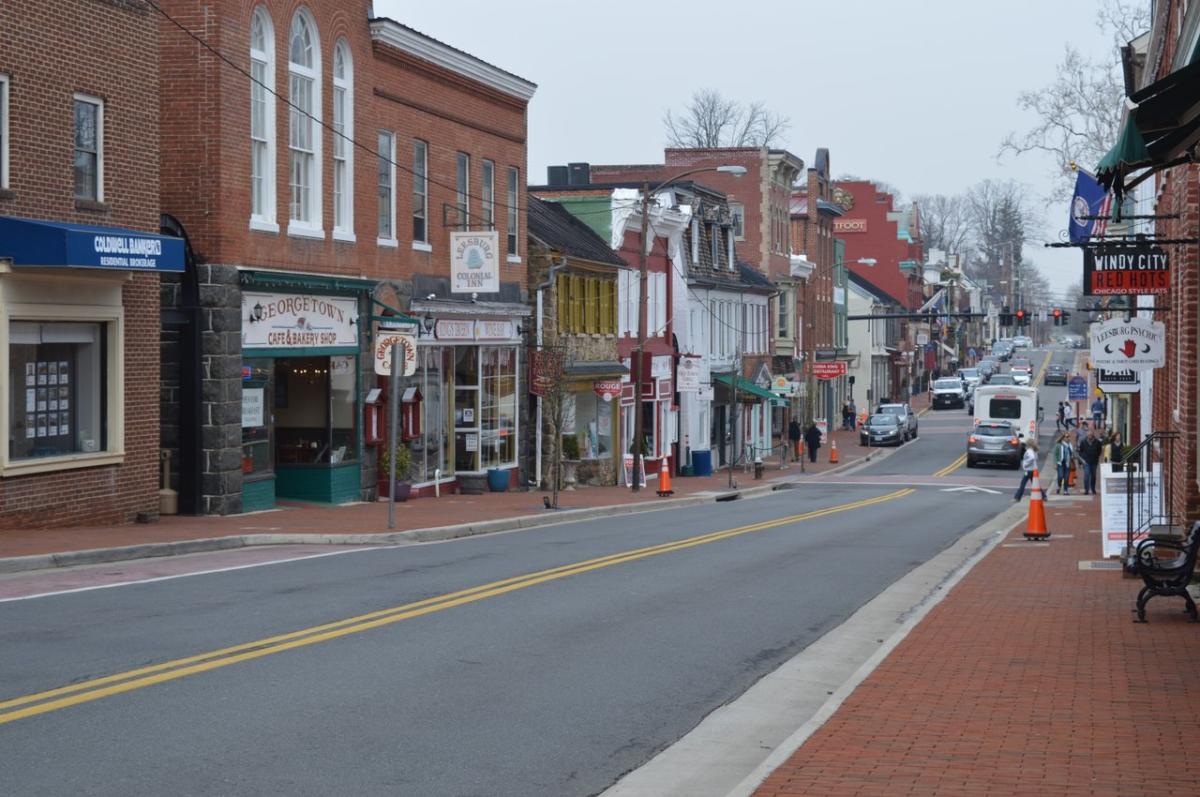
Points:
[(874, 230), (318, 197), (80, 256)]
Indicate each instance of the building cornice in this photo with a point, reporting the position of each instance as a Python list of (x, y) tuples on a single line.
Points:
[(393, 34)]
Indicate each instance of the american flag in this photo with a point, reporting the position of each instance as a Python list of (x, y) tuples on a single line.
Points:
[(1103, 213)]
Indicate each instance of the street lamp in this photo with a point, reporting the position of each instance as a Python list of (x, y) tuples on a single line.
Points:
[(638, 426)]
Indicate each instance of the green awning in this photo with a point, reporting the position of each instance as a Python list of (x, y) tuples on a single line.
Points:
[(1127, 154), (746, 386)]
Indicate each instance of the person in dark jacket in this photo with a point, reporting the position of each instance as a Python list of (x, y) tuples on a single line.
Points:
[(812, 439), (794, 435), (1090, 449)]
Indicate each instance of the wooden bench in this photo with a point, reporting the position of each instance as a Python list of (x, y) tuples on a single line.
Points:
[(1166, 568)]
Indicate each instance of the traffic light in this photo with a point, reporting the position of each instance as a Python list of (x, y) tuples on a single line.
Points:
[(1022, 317), (1058, 316), (1005, 316)]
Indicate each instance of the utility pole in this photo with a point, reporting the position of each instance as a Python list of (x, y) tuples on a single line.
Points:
[(638, 358), (734, 377)]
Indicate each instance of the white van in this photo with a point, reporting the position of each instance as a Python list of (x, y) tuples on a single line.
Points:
[(1012, 404)]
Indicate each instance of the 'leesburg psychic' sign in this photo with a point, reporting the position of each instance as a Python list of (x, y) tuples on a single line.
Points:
[(1138, 344), (298, 320), (474, 262)]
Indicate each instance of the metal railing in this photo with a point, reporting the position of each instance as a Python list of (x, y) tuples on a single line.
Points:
[(1147, 484)]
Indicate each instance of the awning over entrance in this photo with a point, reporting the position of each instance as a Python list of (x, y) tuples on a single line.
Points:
[(746, 386), (60, 244), (1161, 131), (594, 369)]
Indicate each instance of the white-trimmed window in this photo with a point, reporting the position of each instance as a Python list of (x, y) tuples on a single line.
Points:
[(304, 133), (3, 130), (781, 325), (89, 148), (387, 189), (462, 194), (738, 211), (514, 196), (343, 151), (420, 201), (262, 122), (488, 205)]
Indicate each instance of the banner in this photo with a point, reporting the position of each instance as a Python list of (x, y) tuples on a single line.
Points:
[(475, 262), (1138, 344), (545, 371), (1124, 270)]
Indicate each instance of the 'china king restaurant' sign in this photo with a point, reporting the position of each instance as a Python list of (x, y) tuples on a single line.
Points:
[(1126, 270)]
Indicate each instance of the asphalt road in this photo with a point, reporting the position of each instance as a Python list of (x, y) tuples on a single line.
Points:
[(548, 684)]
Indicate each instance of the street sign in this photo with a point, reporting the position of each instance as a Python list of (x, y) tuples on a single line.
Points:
[(1077, 388)]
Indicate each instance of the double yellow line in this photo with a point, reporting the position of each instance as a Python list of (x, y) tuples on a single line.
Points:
[(97, 688), (946, 471)]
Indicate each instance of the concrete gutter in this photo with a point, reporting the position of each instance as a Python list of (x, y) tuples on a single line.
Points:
[(92, 556)]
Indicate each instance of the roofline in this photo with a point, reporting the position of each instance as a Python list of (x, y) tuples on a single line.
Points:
[(392, 33)]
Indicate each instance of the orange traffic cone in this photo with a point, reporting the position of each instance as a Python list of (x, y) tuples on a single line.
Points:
[(664, 479), (833, 455), (1071, 475), (1036, 529)]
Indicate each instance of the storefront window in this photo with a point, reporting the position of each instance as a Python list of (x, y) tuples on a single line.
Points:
[(430, 452), (257, 391), (593, 425), (315, 418), (498, 424), (57, 389), (466, 408)]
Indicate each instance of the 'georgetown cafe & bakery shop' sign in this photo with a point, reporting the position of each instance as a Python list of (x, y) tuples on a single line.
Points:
[(1125, 270), (295, 320)]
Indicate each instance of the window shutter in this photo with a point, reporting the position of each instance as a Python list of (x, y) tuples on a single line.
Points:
[(577, 304), (605, 307), (562, 299)]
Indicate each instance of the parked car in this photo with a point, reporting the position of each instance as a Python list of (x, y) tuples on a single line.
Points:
[(908, 418), (882, 429), (1055, 375), (994, 441), (1022, 342), (948, 392)]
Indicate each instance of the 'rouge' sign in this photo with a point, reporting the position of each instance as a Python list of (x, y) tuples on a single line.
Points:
[(298, 320)]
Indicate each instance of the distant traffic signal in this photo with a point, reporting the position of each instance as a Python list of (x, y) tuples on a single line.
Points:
[(1058, 316), (1005, 316), (1022, 317)]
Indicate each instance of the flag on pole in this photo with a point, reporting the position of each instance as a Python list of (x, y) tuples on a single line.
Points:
[(1089, 209)]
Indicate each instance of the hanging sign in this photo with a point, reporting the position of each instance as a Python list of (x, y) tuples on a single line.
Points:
[(298, 320), (1124, 270), (688, 375), (829, 370), (1138, 344), (383, 353), (545, 371), (474, 262), (1118, 381)]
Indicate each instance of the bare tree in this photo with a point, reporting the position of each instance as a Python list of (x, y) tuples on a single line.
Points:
[(710, 120), (1079, 114), (945, 223)]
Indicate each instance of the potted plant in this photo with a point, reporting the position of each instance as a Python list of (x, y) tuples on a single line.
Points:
[(570, 459), (403, 484)]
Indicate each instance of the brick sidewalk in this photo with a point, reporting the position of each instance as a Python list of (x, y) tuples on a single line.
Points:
[(1029, 678), (370, 518)]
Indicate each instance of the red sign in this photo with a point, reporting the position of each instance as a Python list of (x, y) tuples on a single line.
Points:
[(607, 389), (829, 370), (1119, 270), (545, 371)]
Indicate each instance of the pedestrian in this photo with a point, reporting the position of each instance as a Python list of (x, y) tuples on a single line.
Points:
[(845, 414), (1028, 466), (1059, 421), (1068, 416), (1089, 452), (1098, 412), (1064, 453), (853, 415), (812, 439), (794, 435), (1116, 450)]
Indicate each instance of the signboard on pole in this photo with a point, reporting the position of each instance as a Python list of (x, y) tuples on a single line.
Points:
[(383, 353), (687, 376), (1077, 388), (1138, 344), (1123, 270), (475, 262), (628, 471), (1114, 504), (1118, 381)]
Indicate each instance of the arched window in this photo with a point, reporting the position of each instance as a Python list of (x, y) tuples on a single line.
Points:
[(304, 133), (343, 133), (262, 122)]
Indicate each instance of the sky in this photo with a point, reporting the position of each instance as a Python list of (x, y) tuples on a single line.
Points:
[(918, 94)]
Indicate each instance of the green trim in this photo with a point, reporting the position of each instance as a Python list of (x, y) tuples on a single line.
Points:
[(396, 315), (281, 280), (303, 351), (258, 494), (329, 484), (746, 386)]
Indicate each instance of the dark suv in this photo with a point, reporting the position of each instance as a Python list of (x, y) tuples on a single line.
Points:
[(908, 418)]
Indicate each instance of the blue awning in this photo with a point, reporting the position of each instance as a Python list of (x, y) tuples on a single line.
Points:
[(64, 244)]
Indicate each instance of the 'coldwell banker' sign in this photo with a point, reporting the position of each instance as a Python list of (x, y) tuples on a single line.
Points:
[(474, 262)]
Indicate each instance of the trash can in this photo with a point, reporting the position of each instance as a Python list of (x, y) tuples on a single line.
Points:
[(702, 463)]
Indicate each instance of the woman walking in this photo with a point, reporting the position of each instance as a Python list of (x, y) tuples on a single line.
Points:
[(1064, 454), (1028, 467)]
